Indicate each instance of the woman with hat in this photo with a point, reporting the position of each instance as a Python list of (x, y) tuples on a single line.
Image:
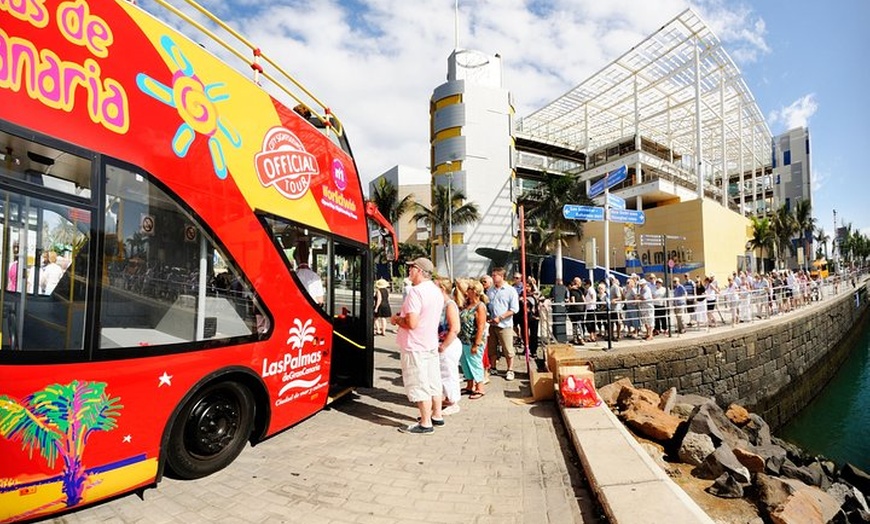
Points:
[(382, 306)]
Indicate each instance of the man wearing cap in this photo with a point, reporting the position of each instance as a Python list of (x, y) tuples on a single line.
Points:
[(418, 340)]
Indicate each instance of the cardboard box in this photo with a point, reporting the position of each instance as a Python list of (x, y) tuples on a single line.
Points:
[(576, 370), (558, 352), (542, 385)]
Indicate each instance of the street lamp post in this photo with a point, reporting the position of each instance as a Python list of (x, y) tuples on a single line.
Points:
[(450, 219)]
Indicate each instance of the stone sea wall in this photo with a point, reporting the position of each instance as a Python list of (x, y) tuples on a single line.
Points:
[(772, 367)]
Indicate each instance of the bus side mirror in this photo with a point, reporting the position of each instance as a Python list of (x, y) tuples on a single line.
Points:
[(387, 245)]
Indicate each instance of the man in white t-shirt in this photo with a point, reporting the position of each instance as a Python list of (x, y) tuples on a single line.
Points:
[(50, 274), (311, 281), (418, 342)]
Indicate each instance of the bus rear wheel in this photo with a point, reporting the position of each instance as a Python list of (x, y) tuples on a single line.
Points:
[(211, 430)]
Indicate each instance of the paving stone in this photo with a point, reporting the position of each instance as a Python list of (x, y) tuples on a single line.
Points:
[(494, 462)]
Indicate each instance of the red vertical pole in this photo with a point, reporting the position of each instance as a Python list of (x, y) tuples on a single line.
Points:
[(525, 333)]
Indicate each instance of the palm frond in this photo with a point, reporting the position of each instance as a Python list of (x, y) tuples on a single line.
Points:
[(17, 422)]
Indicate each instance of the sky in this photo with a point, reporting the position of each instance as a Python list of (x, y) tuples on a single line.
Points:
[(376, 63)]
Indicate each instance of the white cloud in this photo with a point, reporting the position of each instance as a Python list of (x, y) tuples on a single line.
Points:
[(376, 62), (819, 179), (797, 114)]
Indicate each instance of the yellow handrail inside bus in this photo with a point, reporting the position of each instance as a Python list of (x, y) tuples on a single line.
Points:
[(349, 340), (328, 119)]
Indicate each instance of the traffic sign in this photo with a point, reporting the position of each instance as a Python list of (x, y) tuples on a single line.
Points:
[(652, 240), (629, 216), (611, 179), (575, 212), (615, 202)]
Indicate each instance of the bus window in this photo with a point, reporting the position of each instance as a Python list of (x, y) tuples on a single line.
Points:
[(306, 254), (44, 249), (166, 281)]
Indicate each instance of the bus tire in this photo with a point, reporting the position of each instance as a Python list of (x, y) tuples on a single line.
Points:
[(211, 429)]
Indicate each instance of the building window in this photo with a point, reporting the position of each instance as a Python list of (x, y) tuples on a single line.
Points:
[(786, 158)]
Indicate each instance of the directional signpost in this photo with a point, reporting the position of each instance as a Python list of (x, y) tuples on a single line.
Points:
[(574, 212), (610, 179), (614, 209), (615, 202), (628, 216)]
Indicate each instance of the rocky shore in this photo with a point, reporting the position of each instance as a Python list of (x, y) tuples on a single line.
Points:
[(730, 464)]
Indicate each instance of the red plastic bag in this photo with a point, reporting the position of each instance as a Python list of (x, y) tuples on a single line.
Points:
[(578, 392)]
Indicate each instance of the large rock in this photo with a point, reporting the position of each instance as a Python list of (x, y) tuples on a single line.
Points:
[(738, 415), (720, 461), (758, 431), (849, 497), (694, 448), (668, 400), (726, 487), (630, 396), (811, 474), (808, 505), (709, 419), (856, 477), (789, 501), (693, 399), (651, 422), (610, 392), (752, 461)]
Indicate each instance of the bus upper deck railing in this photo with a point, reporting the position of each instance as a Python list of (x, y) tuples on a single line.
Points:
[(324, 118)]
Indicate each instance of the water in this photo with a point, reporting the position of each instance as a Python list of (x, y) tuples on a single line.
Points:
[(836, 424)]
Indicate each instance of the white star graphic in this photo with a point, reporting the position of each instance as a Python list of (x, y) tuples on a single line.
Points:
[(165, 378), (127, 439)]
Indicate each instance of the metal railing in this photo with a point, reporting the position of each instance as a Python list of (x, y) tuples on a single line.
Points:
[(729, 310), (252, 55)]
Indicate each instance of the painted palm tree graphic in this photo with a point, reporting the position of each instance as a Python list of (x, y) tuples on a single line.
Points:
[(57, 421), (301, 333)]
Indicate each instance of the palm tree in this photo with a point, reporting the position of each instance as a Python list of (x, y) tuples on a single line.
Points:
[(822, 239), (386, 196), (805, 223), (410, 251), (543, 210), (762, 236), (442, 214), (845, 243), (784, 228), (58, 422)]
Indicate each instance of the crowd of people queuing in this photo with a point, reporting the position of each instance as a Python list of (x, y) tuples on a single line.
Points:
[(453, 333), (644, 306)]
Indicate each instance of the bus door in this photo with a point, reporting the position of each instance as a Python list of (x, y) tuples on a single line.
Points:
[(351, 299)]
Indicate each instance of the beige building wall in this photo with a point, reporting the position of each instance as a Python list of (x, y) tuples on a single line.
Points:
[(713, 237)]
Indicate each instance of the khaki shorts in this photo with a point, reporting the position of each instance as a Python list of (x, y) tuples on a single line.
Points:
[(503, 337), (421, 374)]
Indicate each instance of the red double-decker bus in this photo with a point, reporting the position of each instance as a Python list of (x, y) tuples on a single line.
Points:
[(185, 260)]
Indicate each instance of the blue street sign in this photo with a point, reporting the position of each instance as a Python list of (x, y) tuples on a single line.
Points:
[(575, 212), (615, 202), (629, 216), (611, 179)]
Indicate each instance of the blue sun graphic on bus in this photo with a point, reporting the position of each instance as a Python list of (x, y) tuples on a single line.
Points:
[(196, 103)]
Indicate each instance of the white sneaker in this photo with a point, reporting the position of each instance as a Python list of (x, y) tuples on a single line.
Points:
[(509, 375), (452, 409)]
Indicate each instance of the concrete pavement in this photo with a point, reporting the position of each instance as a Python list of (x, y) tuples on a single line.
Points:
[(494, 462)]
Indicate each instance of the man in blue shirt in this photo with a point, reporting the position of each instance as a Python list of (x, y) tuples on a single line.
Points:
[(504, 303)]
